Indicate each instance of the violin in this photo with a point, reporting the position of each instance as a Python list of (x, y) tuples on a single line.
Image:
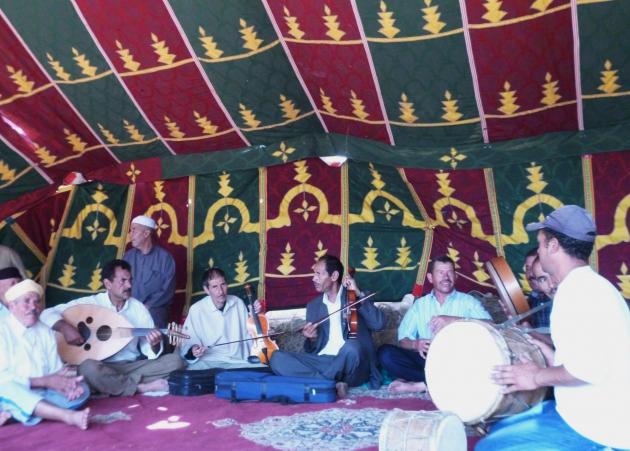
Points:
[(353, 310), (258, 327)]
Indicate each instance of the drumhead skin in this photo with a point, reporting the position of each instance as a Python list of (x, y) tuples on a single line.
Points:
[(458, 366), (405, 430)]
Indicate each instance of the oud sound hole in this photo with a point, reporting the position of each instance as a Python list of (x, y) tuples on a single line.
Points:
[(104, 333), (87, 346), (89, 320), (84, 330)]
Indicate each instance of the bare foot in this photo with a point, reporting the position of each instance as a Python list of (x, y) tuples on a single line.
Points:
[(4, 417), (79, 418), (342, 389), (156, 385), (401, 386)]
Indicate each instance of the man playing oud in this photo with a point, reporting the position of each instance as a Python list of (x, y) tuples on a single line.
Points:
[(124, 373)]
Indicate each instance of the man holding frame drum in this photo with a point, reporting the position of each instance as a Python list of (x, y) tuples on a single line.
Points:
[(590, 369)]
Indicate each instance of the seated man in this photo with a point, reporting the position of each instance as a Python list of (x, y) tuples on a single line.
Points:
[(536, 296), (329, 353), (545, 283), (218, 318), (124, 373), (422, 321), (33, 382), (8, 277), (590, 369)]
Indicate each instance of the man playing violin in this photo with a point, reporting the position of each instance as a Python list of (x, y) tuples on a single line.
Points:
[(217, 319), (426, 317), (126, 372), (328, 352)]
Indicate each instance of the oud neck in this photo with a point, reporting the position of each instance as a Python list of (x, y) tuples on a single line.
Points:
[(142, 331)]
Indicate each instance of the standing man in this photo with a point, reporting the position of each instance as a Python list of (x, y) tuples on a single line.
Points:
[(590, 369), (127, 371), (153, 270), (10, 258), (329, 354), (8, 277), (426, 317), (217, 318), (33, 382)]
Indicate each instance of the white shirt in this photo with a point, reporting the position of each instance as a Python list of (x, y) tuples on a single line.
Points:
[(335, 334), (208, 326), (590, 328), (133, 310), (26, 351)]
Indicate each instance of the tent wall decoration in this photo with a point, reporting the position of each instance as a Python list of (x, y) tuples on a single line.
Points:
[(461, 121)]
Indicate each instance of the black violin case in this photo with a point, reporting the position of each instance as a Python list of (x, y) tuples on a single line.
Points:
[(199, 382)]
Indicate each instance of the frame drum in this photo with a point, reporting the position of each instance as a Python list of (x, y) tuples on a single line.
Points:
[(458, 366), (421, 431), (512, 298)]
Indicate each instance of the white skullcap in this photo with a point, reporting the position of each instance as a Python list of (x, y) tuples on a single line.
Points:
[(21, 288), (145, 221)]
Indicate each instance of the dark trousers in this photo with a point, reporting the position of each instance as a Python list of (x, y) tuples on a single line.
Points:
[(401, 363), (350, 365)]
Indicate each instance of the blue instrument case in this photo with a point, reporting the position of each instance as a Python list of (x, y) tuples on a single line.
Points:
[(254, 386)]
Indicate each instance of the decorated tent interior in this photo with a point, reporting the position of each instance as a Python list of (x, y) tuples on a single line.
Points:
[(260, 135)]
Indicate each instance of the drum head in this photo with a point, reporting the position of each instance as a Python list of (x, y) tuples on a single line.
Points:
[(458, 367)]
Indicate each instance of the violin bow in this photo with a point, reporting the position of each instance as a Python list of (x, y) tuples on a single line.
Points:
[(344, 307), (247, 339)]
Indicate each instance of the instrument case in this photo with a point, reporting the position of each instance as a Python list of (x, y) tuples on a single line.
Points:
[(256, 386), (199, 382)]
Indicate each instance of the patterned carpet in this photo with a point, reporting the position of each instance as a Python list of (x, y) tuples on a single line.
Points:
[(205, 422)]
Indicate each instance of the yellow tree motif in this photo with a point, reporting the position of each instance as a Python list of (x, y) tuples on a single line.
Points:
[(44, 155), (162, 50), (321, 251), (541, 5), (21, 80), (109, 136), (248, 116), (283, 152), (480, 273), (224, 184), (58, 68), (432, 18), (609, 79), (371, 254), (84, 63), (451, 113), (537, 184), (207, 128), (550, 91), (387, 22), (173, 128), (249, 36), (241, 269), (286, 261), (328, 106), (494, 14), (288, 108), (96, 280), (78, 145), (377, 180), (332, 24), (444, 184), (453, 254), (292, 24), (68, 272), (127, 58), (358, 109), (403, 252), (508, 100), (624, 281), (212, 48), (406, 110), (6, 173), (133, 131)]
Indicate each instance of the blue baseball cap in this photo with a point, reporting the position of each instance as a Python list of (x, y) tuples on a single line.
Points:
[(571, 220)]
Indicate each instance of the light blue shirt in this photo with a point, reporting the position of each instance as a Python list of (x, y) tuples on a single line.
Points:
[(415, 324), (4, 312)]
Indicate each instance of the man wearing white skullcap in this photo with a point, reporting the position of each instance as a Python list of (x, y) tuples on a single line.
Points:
[(152, 268), (33, 382)]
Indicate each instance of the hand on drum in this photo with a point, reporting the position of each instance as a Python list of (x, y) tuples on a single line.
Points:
[(438, 322), (544, 347), (422, 346), (517, 377)]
